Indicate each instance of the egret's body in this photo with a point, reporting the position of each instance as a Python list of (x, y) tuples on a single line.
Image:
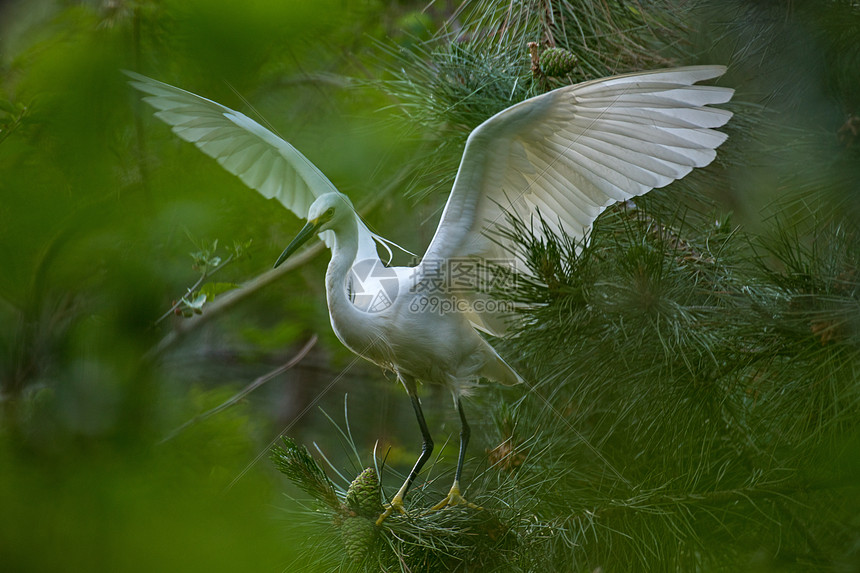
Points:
[(569, 154), (441, 348)]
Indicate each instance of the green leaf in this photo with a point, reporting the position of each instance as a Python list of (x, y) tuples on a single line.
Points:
[(8, 107), (239, 247), (212, 290)]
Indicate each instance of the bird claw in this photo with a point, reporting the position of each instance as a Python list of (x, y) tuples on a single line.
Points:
[(454, 498), (395, 505)]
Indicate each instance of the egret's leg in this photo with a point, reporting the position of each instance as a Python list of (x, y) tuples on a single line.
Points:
[(426, 450), (454, 497)]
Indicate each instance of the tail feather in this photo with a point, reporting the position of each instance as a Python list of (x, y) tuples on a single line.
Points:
[(500, 371)]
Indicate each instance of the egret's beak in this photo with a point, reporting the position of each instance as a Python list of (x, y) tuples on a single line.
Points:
[(306, 233)]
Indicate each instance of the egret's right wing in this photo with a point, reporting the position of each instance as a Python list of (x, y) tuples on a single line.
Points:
[(261, 159), (569, 154)]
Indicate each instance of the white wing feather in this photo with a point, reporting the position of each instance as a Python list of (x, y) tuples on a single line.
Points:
[(261, 159), (573, 152)]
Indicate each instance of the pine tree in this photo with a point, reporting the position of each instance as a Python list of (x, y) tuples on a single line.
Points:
[(694, 391)]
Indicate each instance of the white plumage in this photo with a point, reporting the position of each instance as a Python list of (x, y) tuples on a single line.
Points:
[(568, 154)]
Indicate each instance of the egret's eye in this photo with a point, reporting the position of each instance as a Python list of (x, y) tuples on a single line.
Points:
[(329, 212)]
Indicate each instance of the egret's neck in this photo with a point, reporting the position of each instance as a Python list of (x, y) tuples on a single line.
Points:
[(343, 253)]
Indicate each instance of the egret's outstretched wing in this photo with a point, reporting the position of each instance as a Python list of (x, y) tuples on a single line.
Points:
[(261, 159), (574, 151)]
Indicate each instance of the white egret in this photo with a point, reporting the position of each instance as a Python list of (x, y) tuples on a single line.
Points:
[(569, 153)]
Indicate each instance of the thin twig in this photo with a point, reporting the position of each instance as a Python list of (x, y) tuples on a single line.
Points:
[(246, 390)]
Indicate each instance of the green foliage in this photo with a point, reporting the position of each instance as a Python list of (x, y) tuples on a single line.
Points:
[(692, 398), (687, 402)]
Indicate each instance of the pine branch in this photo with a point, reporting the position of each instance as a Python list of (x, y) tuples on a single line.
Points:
[(294, 461)]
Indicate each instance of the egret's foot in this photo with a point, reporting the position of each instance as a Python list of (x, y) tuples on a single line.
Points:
[(395, 505), (454, 498)]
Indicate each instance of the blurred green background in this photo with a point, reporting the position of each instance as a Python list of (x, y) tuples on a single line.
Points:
[(101, 209)]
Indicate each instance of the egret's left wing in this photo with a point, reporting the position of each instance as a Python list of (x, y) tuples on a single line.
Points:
[(261, 159), (572, 152)]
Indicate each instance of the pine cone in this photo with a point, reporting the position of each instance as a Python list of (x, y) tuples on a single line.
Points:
[(364, 494), (557, 62), (358, 534)]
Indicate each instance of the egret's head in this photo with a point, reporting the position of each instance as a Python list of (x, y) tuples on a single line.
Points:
[(327, 212)]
